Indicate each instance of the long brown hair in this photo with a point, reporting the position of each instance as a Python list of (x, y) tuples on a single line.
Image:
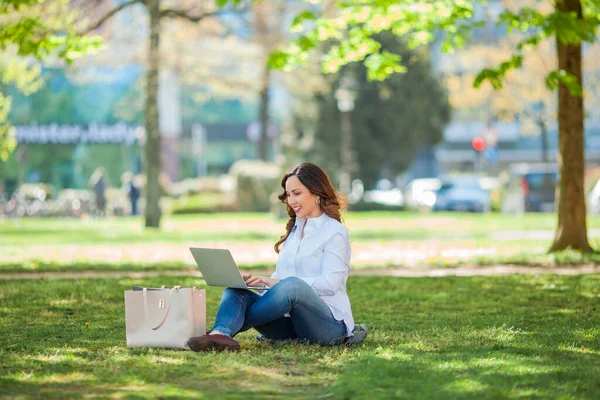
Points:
[(317, 182)]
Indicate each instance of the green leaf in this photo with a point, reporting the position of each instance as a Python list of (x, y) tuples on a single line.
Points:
[(303, 16), (223, 3), (532, 41), (381, 65), (493, 76), (6, 5), (28, 31), (7, 131), (555, 78), (305, 43), (278, 60)]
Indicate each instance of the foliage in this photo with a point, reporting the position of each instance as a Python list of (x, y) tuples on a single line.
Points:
[(389, 122), (391, 119), (358, 22), (45, 160), (204, 184), (67, 165), (256, 183), (34, 29), (7, 132), (204, 203), (70, 98), (480, 337), (568, 23), (525, 97)]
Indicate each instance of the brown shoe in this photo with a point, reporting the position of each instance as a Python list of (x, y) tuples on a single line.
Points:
[(215, 342)]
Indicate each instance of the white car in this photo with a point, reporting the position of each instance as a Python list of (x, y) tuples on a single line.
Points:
[(420, 193), (392, 197)]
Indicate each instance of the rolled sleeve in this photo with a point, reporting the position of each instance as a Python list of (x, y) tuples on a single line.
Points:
[(335, 267)]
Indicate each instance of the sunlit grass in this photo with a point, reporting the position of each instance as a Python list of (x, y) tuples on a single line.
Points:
[(232, 227), (379, 239), (480, 337)]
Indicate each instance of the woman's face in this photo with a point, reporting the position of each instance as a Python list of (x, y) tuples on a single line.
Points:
[(302, 201)]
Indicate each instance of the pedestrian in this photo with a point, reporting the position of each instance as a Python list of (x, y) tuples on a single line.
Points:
[(98, 183), (133, 192), (305, 298)]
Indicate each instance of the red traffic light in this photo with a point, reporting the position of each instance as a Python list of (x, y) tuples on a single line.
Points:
[(478, 143)]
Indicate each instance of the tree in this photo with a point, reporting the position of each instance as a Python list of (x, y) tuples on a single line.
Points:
[(568, 23), (390, 121), (38, 29), (152, 144), (268, 17)]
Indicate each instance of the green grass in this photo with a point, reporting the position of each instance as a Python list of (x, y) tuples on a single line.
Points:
[(526, 257), (35, 265), (257, 227), (481, 337), (31, 245)]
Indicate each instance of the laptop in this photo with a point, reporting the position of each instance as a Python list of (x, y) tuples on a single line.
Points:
[(219, 269)]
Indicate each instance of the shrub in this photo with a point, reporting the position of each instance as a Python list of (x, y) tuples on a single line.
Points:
[(207, 184), (204, 203), (72, 203), (35, 191), (256, 182)]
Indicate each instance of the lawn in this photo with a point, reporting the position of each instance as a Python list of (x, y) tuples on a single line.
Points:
[(257, 227), (378, 239), (481, 337)]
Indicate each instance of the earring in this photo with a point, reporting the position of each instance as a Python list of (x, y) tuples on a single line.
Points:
[(318, 201)]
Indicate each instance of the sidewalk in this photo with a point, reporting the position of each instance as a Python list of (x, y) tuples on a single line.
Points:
[(392, 272)]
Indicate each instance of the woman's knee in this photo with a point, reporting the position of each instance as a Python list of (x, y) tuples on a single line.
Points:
[(293, 282), (292, 287)]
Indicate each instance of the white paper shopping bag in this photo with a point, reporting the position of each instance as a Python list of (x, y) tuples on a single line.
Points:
[(164, 317)]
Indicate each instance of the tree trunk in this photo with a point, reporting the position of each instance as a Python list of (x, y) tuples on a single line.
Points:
[(153, 145), (264, 112), (571, 231)]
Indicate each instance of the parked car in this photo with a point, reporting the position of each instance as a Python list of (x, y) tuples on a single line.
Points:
[(419, 193), (384, 196), (593, 204), (462, 193), (530, 187), (392, 197)]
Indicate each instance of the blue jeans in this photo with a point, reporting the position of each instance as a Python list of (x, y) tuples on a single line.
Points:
[(311, 319)]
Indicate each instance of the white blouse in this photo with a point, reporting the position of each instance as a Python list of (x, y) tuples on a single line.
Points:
[(322, 259)]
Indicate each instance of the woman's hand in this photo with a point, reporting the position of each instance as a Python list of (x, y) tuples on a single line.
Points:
[(257, 280)]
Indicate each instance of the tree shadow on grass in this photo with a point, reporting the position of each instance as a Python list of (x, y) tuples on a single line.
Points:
[(259, 372), (445, 338), (376, 370), (467, 373)]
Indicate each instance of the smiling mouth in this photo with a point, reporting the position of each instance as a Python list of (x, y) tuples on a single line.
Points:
[(296, 209)]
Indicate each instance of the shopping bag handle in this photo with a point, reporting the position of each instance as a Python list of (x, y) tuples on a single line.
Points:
[(166, 313)]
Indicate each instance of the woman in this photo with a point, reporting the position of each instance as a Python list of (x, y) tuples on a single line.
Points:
[(305, 298)]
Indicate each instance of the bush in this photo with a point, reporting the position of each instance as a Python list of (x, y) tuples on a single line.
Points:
[(35, 191), (208, 184), (278, 209), (256, 182), (204, 203), (72, 203), (117, 202)]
